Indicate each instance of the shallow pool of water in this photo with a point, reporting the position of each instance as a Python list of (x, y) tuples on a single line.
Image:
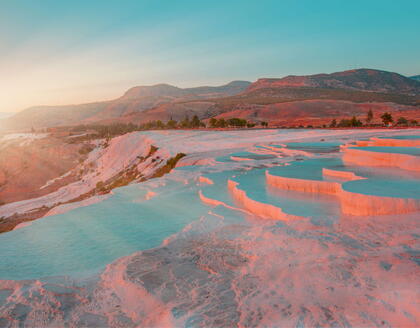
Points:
[(84, 240)]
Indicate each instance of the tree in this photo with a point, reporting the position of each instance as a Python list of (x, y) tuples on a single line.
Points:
[(355, 122), (402, 121), (195, 122), (221, 123), (414, 122), (213, 122), (159, 124), (344, 123), (186, 122), (171, 124), (347, 123), (369, 117), (264, 124), (333, 123), (387, 118), (236, 122)]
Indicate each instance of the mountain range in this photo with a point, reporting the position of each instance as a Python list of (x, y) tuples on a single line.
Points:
[(415, 77), (287, 101)]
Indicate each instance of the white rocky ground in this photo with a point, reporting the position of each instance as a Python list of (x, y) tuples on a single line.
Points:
[(233, 266)]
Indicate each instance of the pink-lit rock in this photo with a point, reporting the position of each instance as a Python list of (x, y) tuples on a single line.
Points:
[(351, 203), (209, 201), (139, 305), (312, 186), (205, 180), (343, 175), (239, 159), (368, 205), (258, 208), (389, 142), (23, 225), (371, 158), (64, 208), (150, 194), (289, 152)]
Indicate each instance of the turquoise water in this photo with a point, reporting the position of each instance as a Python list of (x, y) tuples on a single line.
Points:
[(318, 207), (84, 240), (219, 190), (307, 169), (245, 155), (379, 182), (385, 187), (316, 147)]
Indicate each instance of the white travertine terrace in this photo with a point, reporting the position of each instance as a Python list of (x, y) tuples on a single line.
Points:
[(245, 260), (364, 157)]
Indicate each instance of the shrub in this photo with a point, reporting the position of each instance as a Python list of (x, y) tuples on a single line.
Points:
[(213, 122), (402, 121), (171, 124), (387, 118)]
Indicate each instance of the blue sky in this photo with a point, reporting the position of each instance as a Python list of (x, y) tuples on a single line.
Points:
[(59, 52)]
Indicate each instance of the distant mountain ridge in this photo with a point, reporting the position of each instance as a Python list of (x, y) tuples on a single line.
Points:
[(136, 99), (321, 95), (415, 77), (168, 90), (357, 79)]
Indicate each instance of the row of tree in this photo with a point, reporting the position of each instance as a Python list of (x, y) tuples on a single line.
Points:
[(233, 122), (194, 123), (386, 118), (122, 128)]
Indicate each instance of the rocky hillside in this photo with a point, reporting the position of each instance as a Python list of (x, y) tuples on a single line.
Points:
[(415, 77), (358, 79), (39, 172), (321, 96), (166, 90), (135, 100), (284, 104)]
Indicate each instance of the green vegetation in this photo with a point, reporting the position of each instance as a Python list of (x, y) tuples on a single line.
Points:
[(236, 122), (86, 149), (387, 118), (109, 131), (402, 121), (369, 117), (195, 123), (170, 164), (347, 123), (171, 124)]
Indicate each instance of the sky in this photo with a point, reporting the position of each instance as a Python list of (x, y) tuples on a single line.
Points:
[(67, 52)]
